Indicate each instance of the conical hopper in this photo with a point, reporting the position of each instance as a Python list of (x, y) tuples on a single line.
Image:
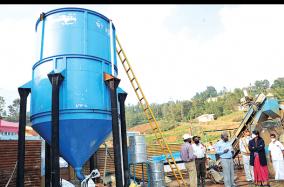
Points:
[(78, 139)]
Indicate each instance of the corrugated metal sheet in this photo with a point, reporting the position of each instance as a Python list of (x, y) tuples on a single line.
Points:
[(8, 158)]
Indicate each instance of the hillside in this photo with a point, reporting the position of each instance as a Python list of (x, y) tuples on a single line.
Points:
[(174, 135)]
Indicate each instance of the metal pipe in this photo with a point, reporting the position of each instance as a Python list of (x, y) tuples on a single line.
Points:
[(112, 83), (79, 174), (92, 165), (121, 98), (23, 92), (111, 47), (47, 165), (55, 79)]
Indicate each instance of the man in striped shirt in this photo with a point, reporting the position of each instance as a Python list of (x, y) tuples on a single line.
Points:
[(187, 156)]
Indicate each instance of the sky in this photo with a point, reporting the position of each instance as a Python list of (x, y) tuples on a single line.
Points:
[(175, 50)]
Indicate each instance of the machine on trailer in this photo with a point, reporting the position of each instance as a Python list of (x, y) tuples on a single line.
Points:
[(265, 114)]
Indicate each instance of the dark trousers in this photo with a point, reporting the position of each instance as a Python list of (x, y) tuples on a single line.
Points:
[(200, 171)]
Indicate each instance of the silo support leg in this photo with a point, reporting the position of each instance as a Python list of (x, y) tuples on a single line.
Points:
[(47, 165), (112, 83), (92, 165), (121, 98), (24, 93), (56, 80)]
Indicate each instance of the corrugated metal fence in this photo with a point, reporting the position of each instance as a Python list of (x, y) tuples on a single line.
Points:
[(8, 158)]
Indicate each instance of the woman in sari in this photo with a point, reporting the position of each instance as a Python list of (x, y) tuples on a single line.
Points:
[(258, 159)]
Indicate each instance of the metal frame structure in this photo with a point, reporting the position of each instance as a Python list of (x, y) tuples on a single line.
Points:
[(56, 80), (24, 92), (123, 130), (112, 83), (52, 168)]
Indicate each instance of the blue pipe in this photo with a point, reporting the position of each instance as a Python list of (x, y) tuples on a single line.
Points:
[(79, 174)]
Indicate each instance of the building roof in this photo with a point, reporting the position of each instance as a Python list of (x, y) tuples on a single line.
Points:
[(205, 115), (6, 126)]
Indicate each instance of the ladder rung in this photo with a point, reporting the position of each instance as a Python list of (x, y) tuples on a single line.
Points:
[(146, 108), (137, 89), (119, 51), (175, 170), (178, 178), (141, 99), (127, 70), (133, 79), (123, 60)]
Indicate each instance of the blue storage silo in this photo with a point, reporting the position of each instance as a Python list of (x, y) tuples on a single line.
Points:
[(80, 44)]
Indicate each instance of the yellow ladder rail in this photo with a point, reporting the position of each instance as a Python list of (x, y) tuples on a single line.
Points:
[(149, 114)]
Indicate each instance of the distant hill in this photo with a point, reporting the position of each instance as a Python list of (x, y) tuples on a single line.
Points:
[(174, 135)]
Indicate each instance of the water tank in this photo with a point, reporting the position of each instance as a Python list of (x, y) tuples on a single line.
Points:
[(156, 173), (77, 43), (137, 149)]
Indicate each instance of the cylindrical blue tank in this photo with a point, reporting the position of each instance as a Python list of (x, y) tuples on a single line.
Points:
[(75, 42)]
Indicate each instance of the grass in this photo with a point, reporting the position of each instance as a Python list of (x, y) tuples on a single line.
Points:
[(175, 132)]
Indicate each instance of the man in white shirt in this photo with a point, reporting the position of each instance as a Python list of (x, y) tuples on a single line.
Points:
[(276, 152), (243, 144), (199, 150)]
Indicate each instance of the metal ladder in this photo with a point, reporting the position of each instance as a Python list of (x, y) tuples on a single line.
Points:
[(149, 114)]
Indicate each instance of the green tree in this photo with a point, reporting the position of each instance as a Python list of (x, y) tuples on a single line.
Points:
[(278, 83), (172, 112), (210, 92), (2, 105), (14, 110), (186, 107), (277, 88), (261, 86)]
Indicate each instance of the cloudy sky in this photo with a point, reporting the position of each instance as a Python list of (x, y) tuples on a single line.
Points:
[(175, 50)]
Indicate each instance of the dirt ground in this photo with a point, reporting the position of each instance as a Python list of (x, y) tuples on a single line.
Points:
[(240, 181)]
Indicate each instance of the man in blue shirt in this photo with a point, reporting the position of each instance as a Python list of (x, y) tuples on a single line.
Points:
[(225, 150)]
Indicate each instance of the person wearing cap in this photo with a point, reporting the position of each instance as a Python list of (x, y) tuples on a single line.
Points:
[(225, 150), (243, 144), (187, 156)]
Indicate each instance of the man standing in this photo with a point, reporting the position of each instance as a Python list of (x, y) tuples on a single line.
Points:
[(187, 156), (199, 151), (276, 152), (243, 144), (225, 150)]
